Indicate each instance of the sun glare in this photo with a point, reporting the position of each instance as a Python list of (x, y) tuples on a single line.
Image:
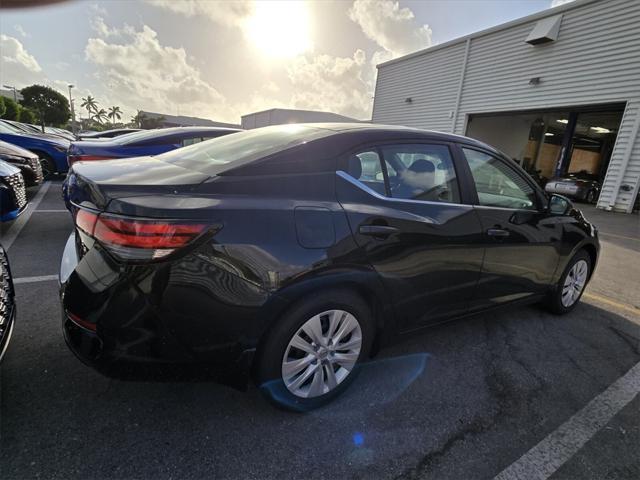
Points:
[(279, 29)]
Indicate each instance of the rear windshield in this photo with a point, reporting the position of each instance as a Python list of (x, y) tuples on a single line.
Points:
[(214, 156), (140, 135)]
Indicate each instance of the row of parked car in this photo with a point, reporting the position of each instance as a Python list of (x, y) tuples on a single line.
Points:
[(28, 155)]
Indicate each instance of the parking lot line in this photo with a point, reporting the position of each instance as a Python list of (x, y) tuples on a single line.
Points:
[(51, 211), (41, 278), (619, 236), (622, 306), (552, 452), (21, 221)]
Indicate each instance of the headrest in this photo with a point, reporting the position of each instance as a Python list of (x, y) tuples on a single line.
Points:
[(422, 166), (355, 167)]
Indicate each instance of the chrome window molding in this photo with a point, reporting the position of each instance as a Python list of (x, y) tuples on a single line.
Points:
[(344, 175)]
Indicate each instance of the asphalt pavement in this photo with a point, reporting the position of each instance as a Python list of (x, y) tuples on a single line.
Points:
[(464, 400)]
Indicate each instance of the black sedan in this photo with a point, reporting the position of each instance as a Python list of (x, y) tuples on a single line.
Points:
[(27, 162), (298, 251)]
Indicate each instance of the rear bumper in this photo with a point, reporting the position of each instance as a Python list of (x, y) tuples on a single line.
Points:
[(12, 214), (123, 321)]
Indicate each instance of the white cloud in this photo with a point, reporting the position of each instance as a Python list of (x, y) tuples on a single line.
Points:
[(144, 74), (336, 84), (17, 66), (102, 29), (224, 12), (18, 28), (97, 9), (555, 3), (391, 27)]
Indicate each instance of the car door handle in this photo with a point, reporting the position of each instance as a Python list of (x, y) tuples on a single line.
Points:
[(377, 230), (497, 232)]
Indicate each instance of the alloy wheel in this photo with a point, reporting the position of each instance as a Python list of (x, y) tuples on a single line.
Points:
[(47, 168), (574, 282), (322, 353)]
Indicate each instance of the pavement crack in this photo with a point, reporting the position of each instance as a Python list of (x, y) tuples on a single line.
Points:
[(632, 342), (474, 428)]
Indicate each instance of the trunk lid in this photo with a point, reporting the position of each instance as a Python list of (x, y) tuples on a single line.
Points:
[(95, 185)]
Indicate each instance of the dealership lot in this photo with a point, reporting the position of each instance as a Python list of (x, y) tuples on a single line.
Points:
[(462, 400)]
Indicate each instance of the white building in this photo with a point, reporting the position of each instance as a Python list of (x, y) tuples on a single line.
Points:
[(559, 91), (280, 116)]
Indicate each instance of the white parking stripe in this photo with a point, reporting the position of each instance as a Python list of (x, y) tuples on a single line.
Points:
[(18, 225), (51, 211), (42, 278), (551, 453)]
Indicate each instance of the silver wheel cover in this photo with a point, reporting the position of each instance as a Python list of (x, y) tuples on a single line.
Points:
[(322, 353), (574, 283)]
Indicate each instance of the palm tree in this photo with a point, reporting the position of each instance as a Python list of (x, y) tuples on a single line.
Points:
[(138, 119), (114, 113), (91, 104), (100, 115)]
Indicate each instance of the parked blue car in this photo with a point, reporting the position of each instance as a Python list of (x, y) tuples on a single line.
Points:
[(52, 150), (13, 196), (143, 143)]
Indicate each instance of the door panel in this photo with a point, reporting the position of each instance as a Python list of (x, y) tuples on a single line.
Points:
[(521, 255), (522, 242), (428, 254)]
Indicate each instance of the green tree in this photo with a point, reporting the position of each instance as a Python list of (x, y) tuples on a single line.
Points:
[(114, 114), (52, 106), (10, 109), (2, 107), (100, 115), (91, 104), (26, 116), (138, 119)]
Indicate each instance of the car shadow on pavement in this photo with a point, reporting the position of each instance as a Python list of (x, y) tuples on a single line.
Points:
[(468, 396)]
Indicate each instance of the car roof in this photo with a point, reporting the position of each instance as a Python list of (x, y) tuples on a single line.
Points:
[(372, 132), (322, 143)]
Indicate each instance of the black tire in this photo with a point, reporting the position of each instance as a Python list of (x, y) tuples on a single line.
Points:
[(554, 301), (591, 197), (48, 166), (268, 362)]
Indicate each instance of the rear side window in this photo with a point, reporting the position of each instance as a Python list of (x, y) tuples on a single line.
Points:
[(497, 184), (421, 172), (367, 168)]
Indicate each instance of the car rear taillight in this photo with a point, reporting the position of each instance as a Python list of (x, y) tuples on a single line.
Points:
[(138, 239), (71, 159), (81, 322)]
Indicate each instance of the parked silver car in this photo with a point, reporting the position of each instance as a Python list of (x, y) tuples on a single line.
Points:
[(581, 186)]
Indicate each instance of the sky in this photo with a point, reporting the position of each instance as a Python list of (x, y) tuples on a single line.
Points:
[(223, 59)]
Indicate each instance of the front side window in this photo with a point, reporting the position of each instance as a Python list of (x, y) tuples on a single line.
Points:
[(421, 172), (497, 184)]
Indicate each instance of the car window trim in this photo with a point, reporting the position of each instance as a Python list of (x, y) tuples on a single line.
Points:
[(536, 189)]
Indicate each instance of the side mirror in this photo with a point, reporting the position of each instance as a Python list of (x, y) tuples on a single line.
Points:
[(559, 205)]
